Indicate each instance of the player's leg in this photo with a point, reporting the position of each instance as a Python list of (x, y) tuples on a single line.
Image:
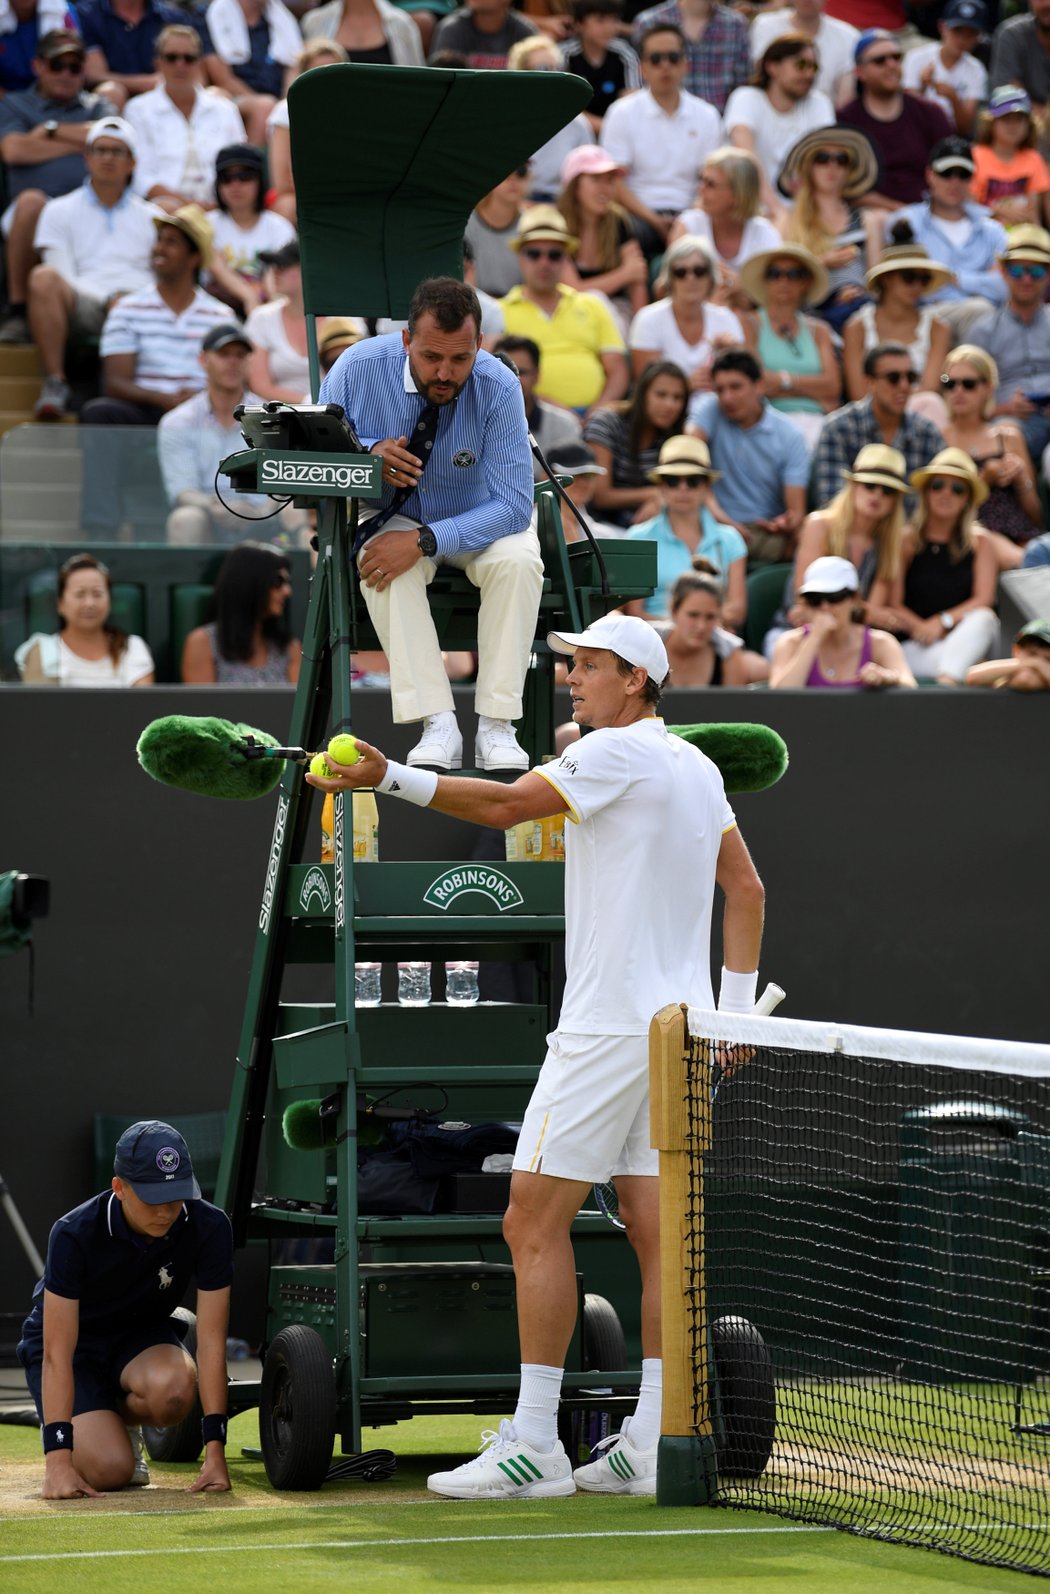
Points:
[(158, 1386), (509, 576), (102, 1450)]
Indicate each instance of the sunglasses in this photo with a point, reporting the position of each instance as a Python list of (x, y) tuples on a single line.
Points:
[(660, 57), (787, 274), (532, 253), (881, 488), (895, 378), (938, 484), (956, 174), (950, 383), (923, 278), (806, 64), (832, 157), (881, 60), (817, 599), (681, 272), (173, 56), (238, 174), (682, 481), (1024, 268), (73, 65), (114, 152)]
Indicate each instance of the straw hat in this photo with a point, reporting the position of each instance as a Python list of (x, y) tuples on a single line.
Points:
[(951, 462), (340, 331), (1027, 243), (864, 163), (191, 221), (543, 224), (684, 456), (880, 466), (911, 257), (753, 273)]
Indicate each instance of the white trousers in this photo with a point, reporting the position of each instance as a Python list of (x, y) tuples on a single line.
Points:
[(508, 573), (967, 643)]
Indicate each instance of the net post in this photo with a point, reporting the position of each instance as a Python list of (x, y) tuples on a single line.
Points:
[(686, 1462)]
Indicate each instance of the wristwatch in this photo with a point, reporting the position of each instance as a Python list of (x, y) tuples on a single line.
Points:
[(427, 542), (948, 621), (50, 129)]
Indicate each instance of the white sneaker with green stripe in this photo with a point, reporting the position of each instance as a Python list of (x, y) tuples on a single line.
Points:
[(621, 1469), (507, 1469)]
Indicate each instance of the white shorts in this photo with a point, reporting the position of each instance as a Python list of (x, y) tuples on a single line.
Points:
[(589, 1114)]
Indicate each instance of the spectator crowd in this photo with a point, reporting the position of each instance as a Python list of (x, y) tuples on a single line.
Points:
[(777, 298)]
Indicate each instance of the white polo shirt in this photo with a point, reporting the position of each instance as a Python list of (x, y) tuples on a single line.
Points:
[(179, 152), (649, 812), (663, 154), (98, 249)]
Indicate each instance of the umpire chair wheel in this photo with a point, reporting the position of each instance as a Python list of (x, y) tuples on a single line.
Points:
[(746, 1397), (183, 1442), (297, 1409), (604, 1350)]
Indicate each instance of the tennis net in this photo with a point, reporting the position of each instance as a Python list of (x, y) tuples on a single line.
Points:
[(857, 1304)]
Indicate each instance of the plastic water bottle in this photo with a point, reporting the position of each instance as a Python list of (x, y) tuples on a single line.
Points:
[(368, 984), (461, 984), (413, 984)]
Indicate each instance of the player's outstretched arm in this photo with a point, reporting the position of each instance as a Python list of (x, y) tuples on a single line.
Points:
[(213, 1317)]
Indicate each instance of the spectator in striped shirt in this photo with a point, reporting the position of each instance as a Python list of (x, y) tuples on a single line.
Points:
[(150, 346), (717, 48)]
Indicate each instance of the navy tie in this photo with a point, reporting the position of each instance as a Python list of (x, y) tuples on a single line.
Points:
[(421, 443)]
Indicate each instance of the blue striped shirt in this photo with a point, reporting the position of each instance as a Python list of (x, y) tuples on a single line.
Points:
[(477, 485)]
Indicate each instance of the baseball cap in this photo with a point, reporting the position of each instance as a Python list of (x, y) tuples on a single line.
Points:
[(588, 160), (112, 127), (239, 155), (59, 41), (223, 335), (575, 459), (1035, 631), (872, 36), (964, 14), (951, 152), (1009, 101), (155, 1160), (623, 634), (281, 259), (829, 573)]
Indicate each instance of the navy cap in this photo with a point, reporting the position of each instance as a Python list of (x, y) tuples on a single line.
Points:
[(155, 1160), (964, 14)]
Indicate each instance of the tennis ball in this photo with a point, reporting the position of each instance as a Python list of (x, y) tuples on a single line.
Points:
[(343, 749), (319, 766)]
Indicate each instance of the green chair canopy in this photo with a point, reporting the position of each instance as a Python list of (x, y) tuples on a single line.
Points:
[(390, 161)]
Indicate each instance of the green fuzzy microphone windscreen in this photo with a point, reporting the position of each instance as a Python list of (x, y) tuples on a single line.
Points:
[(202, 754), (750, 757)]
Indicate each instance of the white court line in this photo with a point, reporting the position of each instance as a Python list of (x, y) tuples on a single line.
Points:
[(376, 1544)]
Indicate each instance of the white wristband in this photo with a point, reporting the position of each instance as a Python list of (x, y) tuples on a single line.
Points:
[(414, 785), (737, 991)]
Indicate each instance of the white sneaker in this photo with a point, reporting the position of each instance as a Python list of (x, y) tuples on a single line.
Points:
[(621, 1469), (507, 1469), (496, 747), (440, 746), (140, 1475)]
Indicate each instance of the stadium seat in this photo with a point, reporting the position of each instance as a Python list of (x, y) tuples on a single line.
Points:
[(765, 593)]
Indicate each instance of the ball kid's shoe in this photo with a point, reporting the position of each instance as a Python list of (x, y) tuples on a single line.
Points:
[(507, 1469)]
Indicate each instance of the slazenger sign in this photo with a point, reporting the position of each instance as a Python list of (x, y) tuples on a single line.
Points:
[(487, 882), (324, 475)]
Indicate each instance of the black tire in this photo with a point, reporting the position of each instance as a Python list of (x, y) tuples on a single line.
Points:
[(604, 1350), (746, 1397), (297, 1409), (183, 1442)]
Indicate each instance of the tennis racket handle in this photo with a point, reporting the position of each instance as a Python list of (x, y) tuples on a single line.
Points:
[(769, 1001)]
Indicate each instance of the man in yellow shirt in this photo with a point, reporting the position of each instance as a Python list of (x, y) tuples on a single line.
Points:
[(583, 359)]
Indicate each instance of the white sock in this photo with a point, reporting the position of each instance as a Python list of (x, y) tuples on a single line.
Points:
[(536, 1414), (643, 1429)]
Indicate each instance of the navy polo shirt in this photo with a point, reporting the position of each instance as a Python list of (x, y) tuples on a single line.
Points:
[(129, 49), (121, 1279)]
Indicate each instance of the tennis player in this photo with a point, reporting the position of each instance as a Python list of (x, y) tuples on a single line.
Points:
[(100, 1351), (651, 834)]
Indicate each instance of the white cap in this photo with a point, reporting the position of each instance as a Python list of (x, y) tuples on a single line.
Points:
[(112, 127), (624, 634), (829, 573)]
